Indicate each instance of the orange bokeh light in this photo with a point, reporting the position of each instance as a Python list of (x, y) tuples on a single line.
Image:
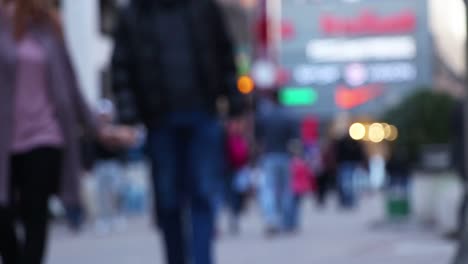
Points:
[(245, 84)]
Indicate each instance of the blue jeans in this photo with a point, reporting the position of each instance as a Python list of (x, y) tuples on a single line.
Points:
[(275, 190), (110, 182), (293, 212), (186, 152), (346, 184)]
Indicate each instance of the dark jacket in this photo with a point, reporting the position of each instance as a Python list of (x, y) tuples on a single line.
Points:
[(349, 150), (275, 129), (399, 163), (137, 70)]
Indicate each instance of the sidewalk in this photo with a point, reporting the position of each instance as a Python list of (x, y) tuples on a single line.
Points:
[(328, 237)]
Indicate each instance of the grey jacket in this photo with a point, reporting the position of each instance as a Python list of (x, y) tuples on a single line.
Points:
[(74, 115)]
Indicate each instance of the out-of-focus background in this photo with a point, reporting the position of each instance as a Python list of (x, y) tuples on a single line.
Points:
[(387, 72)]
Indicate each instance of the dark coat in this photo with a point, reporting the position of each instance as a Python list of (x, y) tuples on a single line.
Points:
[(137, 70)]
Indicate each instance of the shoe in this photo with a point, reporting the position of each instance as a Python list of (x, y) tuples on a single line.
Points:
[(291, 230), (453, 236)]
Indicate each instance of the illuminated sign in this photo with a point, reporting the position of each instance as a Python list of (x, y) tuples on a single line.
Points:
[(392, 72), (314, 74), (362, 57), (362, 49), (348, 98), (369, 23), (298, 96), (355, 74)]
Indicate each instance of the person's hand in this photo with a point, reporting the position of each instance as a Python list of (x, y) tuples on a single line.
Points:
[(107, 135), (118, 136), (126, 136)]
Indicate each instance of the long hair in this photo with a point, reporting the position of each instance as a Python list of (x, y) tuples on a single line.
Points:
[(30, 13)]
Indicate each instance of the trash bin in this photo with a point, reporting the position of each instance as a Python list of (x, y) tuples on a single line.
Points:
[(398, 197)]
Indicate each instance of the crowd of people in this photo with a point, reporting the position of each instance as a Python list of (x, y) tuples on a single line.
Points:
[(282, 160), (170, 84)]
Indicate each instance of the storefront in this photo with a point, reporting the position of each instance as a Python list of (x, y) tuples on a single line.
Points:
[(361, 56)]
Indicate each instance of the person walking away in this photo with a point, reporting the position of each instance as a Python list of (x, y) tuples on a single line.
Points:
[(312, 152), (238, 183), (135, 194), (326, 178), (349, 156), (173, 60), (109, 174), (275, 129), (302, 182), (458, 161), (40, 110)]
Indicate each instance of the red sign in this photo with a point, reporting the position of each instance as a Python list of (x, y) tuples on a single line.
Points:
[(349, 98), (369, 23)]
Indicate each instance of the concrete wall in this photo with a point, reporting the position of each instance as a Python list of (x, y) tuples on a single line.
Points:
[(90, 50), (435, 200)]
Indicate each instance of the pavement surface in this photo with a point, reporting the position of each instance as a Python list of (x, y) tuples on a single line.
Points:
[(327, 237)]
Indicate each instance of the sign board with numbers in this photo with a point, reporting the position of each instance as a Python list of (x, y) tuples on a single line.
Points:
[(362, 56)]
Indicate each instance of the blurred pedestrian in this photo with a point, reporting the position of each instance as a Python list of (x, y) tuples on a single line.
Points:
[(302, 183), (326, 178), (275, 130), (40, 110), (136, 189), (314, 156), (349, 156), (239, 181), (458, 161), (108, 171), (172, 61)]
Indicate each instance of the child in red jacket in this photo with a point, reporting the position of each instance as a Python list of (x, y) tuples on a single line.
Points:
[(239, 182), (302, 182)]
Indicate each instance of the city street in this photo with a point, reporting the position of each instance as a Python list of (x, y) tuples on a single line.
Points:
[(328, 237)]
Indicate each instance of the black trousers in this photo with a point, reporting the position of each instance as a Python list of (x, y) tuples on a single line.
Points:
[(34, 178), (325, 183), (463, 209)]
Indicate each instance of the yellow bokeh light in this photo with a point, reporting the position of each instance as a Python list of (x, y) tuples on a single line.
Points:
[(387, 130), (376, 133), (393, 133), (357, 131), (245, 84)]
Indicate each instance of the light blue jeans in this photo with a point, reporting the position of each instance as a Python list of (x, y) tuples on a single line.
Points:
[(275, 190), (346, 184), (110, 182)]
